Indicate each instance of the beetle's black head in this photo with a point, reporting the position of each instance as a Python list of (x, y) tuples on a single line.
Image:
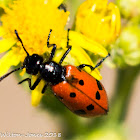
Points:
[(32, 63)]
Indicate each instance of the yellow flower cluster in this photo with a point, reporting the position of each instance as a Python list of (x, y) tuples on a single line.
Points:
[(33, 25), (33, 20)]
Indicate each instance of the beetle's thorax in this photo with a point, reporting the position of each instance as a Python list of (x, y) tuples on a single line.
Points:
[(52, 72)]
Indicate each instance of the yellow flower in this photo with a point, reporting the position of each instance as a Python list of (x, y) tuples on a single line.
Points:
[(99, 21), (33, 20)]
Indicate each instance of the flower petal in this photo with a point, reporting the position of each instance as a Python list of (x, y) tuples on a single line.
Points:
[(56, 2), (118, 21), (8, 60), (87, 44), (36, 95), (2, 32), (6, 44), (5, 2), (83, 58)]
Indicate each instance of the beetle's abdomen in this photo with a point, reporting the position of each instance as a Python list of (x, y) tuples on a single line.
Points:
[(81, 93)]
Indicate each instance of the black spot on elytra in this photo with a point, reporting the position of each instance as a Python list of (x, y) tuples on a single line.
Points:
[(99, 85), (80, 112), (81, 82), (72, 94), (98, 95), (90, 107)]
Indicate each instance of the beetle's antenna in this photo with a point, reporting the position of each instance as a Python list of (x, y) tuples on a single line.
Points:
[(4, 76), (21, 42)]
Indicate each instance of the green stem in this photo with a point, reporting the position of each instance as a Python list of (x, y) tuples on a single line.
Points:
[(123, 92)]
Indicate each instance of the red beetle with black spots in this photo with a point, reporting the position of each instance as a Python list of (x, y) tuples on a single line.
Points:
[(78, 90)]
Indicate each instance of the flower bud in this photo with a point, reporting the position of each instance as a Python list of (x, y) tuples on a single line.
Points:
[(127, 49), (129, 8), (99, 21)]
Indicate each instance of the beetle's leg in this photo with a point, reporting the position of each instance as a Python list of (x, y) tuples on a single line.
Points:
[(62, 6), (4, 76), (68, 50), (92, 68), (44, 88), (49, 45), (68, 38), (52, 52), (65, 54), (84, 65), (32, 87), (98, 64)]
